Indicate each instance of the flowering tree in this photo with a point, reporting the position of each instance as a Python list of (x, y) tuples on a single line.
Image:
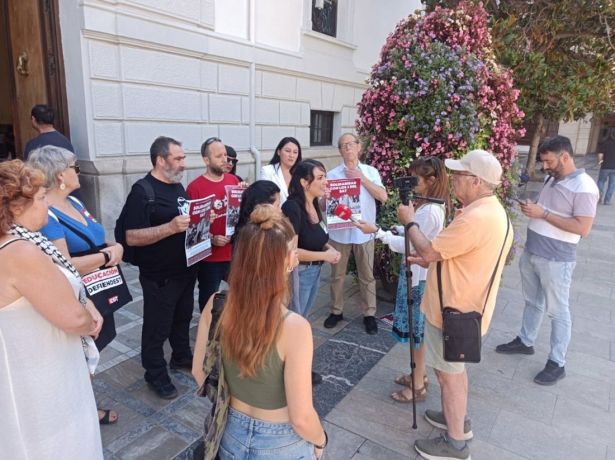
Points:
[(437, 90), (562, 55)]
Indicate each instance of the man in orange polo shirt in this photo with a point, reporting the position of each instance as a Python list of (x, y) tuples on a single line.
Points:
[(468, 250)]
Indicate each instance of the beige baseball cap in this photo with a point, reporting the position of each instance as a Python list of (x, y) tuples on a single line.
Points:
[(480, 163)]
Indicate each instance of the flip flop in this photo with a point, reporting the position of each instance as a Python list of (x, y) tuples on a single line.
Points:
[(105, 420)]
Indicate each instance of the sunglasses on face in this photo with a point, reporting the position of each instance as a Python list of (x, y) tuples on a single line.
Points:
[(76, 167)]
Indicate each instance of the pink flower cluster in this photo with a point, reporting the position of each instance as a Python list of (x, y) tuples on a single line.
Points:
[(437, 90)]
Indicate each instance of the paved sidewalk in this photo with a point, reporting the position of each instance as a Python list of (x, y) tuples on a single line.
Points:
[(513, 418)]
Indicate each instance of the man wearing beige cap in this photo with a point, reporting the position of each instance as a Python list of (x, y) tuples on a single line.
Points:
[(468, 251)]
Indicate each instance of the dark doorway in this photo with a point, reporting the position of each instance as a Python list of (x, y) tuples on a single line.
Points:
[(31, 70)]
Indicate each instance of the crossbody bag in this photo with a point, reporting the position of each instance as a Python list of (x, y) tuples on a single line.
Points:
[(462, 332)]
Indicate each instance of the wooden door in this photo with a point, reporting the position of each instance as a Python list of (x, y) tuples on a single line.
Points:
[(26, 64), (36, 64)]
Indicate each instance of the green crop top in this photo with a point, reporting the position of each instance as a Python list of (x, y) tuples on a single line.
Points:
[(266, 390)]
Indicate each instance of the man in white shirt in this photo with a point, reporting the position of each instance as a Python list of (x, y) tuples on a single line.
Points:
[(347, 239)]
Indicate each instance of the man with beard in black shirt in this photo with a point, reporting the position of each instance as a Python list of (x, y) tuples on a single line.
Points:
[(167, 281)]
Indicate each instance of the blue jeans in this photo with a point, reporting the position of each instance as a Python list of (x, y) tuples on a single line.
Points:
[(210, 276), (546, 283), (246, 438), (602, 176), (309, 281)]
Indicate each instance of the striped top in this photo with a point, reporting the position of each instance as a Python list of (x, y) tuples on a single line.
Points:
[(575, 195)]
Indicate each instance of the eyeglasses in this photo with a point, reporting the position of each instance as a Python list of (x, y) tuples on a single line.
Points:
[(76, 167), (232, 160), (348, 145)]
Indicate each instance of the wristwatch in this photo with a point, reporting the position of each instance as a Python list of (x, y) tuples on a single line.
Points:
[(410, 225), (378, 228), (106, 256)]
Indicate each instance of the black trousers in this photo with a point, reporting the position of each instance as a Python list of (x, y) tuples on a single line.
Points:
[(210, 276), (167, 311)]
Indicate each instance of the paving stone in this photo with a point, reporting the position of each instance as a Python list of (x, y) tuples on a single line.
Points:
[(601, 330), (318, 341), (343, 444), (573, 386), (587, 421), (157, 443), (108, 354), (193, 414), (319, 324), (396, 440), (510, 395), (480, 450), (370, 451), (123, 374), (538, 441), (131, 337), (147, 395), (127, 419)]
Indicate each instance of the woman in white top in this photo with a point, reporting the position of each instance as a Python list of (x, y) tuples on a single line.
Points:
[(47, 404), (433, 182), (280, 168)]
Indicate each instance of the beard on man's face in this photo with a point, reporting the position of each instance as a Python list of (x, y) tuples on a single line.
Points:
[(174, 175), (215, 169)]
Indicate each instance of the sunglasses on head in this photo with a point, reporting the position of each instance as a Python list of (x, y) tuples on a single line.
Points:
[(210, 141)]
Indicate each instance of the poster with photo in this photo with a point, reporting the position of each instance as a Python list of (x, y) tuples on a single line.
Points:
[(346, 192), (198, 243), (233, 202)]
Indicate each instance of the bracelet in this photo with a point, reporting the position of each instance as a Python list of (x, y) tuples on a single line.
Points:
[(326, 442), (412, 224), (107, 258), (545, 214)]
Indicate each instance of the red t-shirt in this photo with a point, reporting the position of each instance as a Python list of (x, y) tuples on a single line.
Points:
[(201, 187)]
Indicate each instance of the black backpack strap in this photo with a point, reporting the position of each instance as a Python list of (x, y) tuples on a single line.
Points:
[(216, 311), (439, 271), (149, 192)]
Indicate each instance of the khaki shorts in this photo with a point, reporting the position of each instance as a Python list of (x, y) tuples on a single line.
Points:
[(434, 351)]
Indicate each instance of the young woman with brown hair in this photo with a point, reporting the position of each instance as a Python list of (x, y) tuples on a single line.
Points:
[(266, 349), (433, 183)]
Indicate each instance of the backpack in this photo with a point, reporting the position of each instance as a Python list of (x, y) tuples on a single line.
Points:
[(130, 252)]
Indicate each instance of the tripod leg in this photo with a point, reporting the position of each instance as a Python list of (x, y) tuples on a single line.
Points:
[(410, 334)]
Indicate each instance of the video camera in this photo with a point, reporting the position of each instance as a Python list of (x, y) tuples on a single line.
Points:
[(405, 185)]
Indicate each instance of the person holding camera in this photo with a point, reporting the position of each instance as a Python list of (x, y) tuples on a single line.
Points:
[(347, 239), (467, 267), (432, 180)]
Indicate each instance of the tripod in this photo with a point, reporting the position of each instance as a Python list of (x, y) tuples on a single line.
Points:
[(405, 199)]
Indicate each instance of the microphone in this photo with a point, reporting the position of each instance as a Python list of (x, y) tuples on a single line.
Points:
[(344, 212)]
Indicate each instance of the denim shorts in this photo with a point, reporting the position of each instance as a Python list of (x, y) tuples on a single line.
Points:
[(246, 438)]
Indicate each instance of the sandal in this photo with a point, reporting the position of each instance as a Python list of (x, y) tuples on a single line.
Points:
[(419, 396), (406, 380), (105, 420)]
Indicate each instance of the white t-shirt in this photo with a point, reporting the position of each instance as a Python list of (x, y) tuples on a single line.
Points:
[(430, 218), (368, 205)]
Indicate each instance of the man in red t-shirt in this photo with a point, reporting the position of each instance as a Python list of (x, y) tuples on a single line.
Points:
[(214, 269)]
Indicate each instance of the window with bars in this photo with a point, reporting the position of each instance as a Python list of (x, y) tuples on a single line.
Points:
[(321, 128), (324, 17)]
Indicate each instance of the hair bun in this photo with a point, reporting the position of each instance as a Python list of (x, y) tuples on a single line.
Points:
[(265, 216)]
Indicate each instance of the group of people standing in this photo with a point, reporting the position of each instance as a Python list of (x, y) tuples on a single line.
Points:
[(272, 264)]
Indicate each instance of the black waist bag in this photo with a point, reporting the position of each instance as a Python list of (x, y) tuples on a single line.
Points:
[(462, 332)]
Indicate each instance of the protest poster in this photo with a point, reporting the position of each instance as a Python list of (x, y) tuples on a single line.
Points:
[(346, 192), (233, 202), (198, 243)]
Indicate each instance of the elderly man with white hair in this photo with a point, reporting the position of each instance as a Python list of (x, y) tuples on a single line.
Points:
[(470, 255)]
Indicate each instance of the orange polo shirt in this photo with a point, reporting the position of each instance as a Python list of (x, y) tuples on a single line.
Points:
[(470, 247)]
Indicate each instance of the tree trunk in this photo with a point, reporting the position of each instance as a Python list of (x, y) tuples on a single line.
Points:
[(531, 156)]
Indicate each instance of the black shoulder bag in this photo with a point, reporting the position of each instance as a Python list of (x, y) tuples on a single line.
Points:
[(461, 332)]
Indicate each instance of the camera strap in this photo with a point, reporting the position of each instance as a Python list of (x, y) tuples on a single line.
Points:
[(439, 272)]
